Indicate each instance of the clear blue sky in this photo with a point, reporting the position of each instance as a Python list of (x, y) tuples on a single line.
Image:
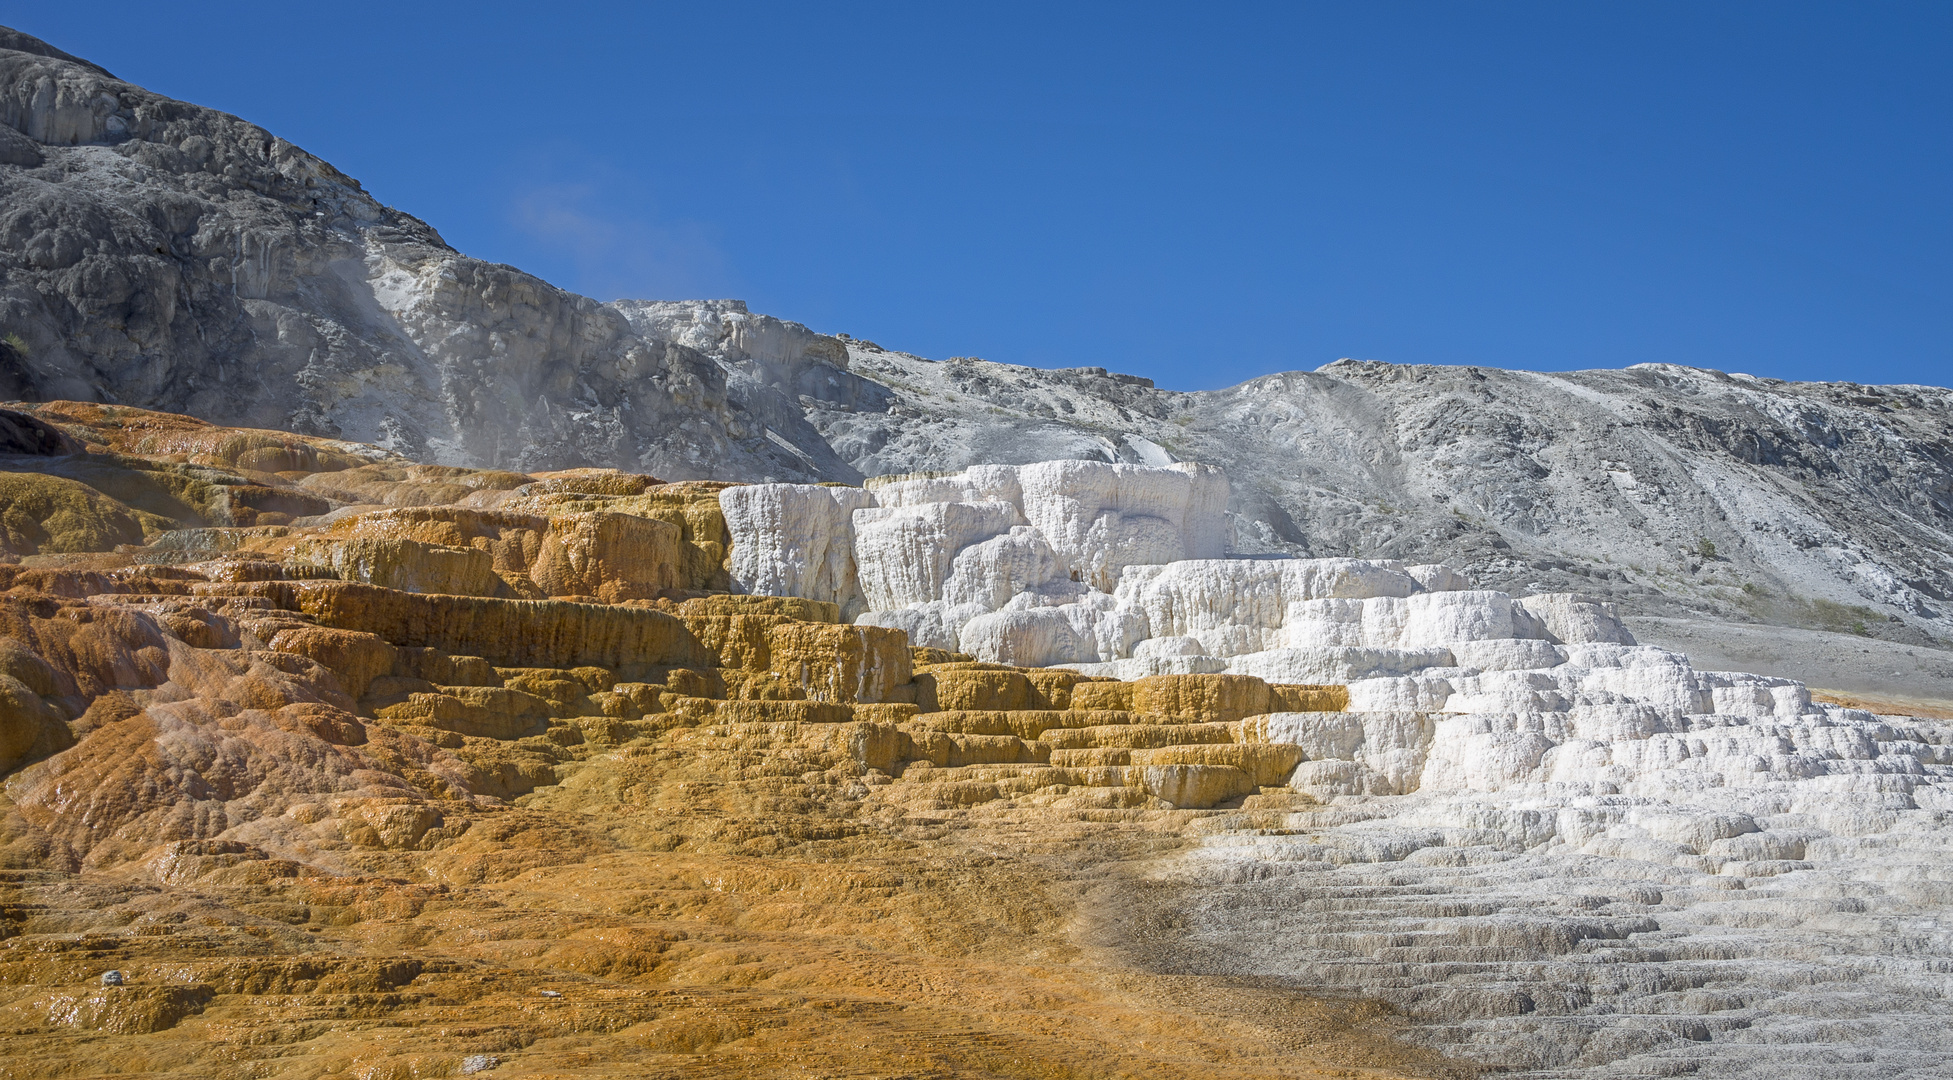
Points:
[(1198, 193)]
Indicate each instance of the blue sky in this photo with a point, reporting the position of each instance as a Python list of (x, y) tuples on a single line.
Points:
[(1196, 193)]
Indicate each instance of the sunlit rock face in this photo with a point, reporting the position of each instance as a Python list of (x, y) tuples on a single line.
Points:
[(168, 256), (1560, 850), (405, 692), (281, 667), (1009, 563)]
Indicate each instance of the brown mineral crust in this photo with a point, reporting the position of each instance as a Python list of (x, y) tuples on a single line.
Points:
[(690, 506), (1210, 697), (354, 658), (793, 607), (841, 663), (171, 437), (510, 542), (328, 827), (513, 633), (610, 556)]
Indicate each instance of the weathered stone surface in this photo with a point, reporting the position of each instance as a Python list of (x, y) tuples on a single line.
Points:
[(842, 664), (173, 257), (515, 633), (404, 811)]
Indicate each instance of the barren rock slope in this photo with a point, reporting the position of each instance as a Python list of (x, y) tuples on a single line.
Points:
[(1669, 489), (351, 766), (167, 256), (161, 254)]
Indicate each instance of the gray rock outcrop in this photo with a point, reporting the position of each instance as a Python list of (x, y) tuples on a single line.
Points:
[(1672, 491), (159, 254)]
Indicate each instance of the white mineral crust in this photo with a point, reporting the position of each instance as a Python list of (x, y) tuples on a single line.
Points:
[(1564, 853)]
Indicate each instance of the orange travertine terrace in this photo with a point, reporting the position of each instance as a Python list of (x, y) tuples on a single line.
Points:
[(354, 766)]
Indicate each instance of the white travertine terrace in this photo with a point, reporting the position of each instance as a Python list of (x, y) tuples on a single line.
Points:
[(1567, 853)]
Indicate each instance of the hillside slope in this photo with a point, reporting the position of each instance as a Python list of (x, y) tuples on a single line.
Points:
[(160, 254), (347, 765), (1670, 490), (167, 256)]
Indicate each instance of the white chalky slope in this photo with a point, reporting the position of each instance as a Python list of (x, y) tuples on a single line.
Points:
[(1563, 852)]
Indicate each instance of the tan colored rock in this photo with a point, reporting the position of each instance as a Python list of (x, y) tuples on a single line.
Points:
[(741, 642), (610, 556), (171, 436), (400, 483), (1191, 786), (30, 728), (950, 750), (1265, 765), (1139, 736), (127, 1010), (841, 663), (1026, 724), (800, 712), (1104, 695), (792, 607), (691, 506), (1298, 697), (408, 565), (513, 633), (960, 687), (356, 658), (1051, 688), (489, 712), (1202, 697), (589, 482)]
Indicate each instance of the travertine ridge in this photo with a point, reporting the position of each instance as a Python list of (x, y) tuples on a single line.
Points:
[(414, 728), (1566, 840), (166, 256), (1500, 816), (347, 764)]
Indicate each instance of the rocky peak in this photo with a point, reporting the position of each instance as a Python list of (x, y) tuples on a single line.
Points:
[(162, 255)]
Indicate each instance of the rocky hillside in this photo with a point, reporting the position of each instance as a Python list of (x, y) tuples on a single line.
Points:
[(167, 256), (315, 761), (319, 761), (161, 254), (1673, 491)]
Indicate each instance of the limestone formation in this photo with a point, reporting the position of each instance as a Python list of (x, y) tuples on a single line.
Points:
[(1466, 729), (350, 665), (996, 739), (289, 763), (166, 256)]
